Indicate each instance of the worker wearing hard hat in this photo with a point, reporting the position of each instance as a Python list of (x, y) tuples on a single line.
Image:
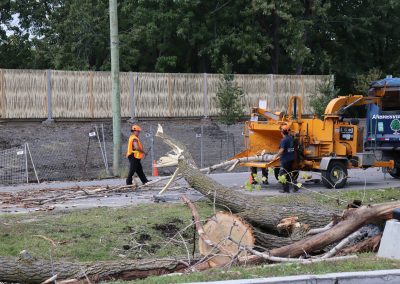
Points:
[(287, 156), (135, 153)]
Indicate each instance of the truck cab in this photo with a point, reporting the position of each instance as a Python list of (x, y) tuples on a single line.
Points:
[(383, 122)]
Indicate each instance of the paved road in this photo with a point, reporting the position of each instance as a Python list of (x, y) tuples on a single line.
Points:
[(357, 180)]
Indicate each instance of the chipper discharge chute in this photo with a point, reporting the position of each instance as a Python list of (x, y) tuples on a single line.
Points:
[(330, 146)]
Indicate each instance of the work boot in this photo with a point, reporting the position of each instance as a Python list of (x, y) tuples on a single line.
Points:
[(254, 182), (296, 188), (265, 182), (147, 181)]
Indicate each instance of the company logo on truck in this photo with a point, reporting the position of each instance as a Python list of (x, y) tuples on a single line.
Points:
[(395, 126), (386, 116)]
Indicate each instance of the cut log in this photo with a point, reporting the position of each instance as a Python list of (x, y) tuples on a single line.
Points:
[(21, 270), (221, 229), (354, 220)]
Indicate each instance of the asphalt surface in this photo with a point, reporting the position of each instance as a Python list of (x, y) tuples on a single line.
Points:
[(357, 180)]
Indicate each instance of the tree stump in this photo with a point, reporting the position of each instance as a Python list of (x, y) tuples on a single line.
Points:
[(221, 229)]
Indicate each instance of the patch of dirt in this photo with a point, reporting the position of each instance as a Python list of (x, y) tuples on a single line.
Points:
[(170, 228), (143, 238)]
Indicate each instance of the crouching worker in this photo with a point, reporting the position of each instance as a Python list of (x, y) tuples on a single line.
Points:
[(264, 173), (287, 157), (135, 153)]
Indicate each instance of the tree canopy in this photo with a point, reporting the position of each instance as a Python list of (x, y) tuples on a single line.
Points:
[(347, 38)]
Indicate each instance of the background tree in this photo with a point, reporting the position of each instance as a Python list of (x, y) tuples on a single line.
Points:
[(328, 92), (344, 38), (229, 99)]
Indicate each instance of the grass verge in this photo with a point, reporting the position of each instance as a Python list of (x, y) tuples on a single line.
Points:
[(156, 231)]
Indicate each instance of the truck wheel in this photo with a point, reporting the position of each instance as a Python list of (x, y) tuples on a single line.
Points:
[(395, 173), (335, 176)]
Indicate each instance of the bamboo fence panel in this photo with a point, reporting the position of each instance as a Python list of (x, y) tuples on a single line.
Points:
[(102, 95), (213, 81), (71, 94), (188, 97), (80, 94), (23, 94), (151, 94), (126, 102), (256, 88)]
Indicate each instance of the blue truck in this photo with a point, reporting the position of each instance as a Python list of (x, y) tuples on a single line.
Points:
[(383, 123)]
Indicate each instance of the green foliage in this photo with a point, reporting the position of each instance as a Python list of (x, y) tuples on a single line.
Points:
[(363, 81), (349, 40), (229, 97), (328, 92)]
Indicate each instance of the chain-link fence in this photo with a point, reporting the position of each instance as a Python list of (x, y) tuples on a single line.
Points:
[(83, 156), (13, 168), (83, 151)]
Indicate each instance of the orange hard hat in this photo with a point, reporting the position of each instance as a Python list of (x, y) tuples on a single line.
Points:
[(136, 128), (285, 128)]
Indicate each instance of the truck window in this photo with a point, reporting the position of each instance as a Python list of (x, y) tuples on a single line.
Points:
[(391, 101)]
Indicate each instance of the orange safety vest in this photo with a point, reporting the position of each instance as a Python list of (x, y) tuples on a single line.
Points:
[(136, 154)]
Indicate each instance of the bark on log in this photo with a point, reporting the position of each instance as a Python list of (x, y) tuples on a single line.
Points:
[(355, 220), (367, 245), (17, 270), (251, 208)]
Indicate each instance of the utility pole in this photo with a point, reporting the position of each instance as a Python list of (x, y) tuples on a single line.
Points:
[(116, 103)]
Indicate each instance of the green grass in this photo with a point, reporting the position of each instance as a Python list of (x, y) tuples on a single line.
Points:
[(101, 233), (139, 232), (363, 263)]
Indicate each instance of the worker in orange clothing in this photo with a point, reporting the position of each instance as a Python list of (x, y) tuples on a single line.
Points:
[(135, 153)]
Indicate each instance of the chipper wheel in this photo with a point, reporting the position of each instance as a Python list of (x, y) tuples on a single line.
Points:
[(335, 176)]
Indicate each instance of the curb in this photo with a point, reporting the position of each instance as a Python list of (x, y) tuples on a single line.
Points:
[(365, 277)]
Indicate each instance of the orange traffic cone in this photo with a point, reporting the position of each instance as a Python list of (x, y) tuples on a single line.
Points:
[(155, 171), (251, 178)]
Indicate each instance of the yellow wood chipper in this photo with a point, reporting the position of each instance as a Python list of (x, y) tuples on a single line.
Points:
[(330, 145)]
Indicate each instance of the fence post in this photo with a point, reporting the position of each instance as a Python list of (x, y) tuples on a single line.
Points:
[(205, 96), (2, 95), (49, 111), (131, 95), (91, 99), (170, 93), (271, 91)]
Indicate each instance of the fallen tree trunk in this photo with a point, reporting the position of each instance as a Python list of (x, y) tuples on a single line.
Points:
[(252, 209), (21, 270)]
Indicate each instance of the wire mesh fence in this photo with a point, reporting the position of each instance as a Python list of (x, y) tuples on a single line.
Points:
[(85, 151), (72, 159), (13, 168)]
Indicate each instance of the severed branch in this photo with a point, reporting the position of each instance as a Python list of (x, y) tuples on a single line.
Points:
[(200, 229), (231, 164), (320, 230), (173, 177), (342, 244)]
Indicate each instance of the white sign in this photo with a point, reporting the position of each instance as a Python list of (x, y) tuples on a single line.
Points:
[(92, 134), (262, 104), (198, 135), (20, 152), (254, 118)]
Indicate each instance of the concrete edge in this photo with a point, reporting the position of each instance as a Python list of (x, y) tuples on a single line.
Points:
[(366, 277)]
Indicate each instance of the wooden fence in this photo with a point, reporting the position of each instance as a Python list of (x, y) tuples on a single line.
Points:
[(87, 94)]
